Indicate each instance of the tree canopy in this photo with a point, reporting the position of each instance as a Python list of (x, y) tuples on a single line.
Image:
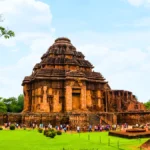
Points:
[(12, 104), (147, 105), (5, 32)]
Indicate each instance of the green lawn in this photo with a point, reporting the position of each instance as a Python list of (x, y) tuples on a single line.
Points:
[(32, 140)]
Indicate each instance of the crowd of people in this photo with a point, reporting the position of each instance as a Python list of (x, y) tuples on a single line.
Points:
[(67, 127), (17, 125)]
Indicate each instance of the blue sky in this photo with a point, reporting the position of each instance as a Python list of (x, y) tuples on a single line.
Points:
[(113, 34)]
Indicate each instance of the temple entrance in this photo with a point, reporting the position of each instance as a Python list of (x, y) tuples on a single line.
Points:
[(75, 101)]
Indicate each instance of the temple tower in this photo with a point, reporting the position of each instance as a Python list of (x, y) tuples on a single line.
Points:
[(63, 81)]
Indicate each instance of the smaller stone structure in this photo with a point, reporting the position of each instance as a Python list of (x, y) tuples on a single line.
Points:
[(131, 133)]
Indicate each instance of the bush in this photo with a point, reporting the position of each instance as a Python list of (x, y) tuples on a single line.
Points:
[(45, 132), (1, 128), (51, 134), (59, 132), (51, 130), (12, 127), (40, 130)]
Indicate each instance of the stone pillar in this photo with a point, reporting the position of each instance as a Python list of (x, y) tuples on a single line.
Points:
[(106, 101), (99, 95), (88, 98), (119, 104), (68, 98), (114, 119), (56, 105), (44, 106), (83, 98), (44, 94), (26, 98), (119, 101), (50, 91)]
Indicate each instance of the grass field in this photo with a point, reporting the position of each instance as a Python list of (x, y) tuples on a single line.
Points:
[(32, 140)]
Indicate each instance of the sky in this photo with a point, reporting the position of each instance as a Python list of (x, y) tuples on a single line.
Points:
[(114, 36)]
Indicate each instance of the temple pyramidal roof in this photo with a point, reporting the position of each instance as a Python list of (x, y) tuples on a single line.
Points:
[(58, 61)]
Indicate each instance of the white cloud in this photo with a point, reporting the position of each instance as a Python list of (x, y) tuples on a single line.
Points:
[(138, 3), (123, 58), (31, 21)]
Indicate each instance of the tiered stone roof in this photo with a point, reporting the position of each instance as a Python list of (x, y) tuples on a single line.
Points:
[(57, 63)]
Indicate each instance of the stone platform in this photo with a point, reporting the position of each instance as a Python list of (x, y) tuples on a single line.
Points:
[(131, 133), (146, 145)]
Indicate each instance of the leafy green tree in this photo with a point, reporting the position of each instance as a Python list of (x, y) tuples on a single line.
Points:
[(3, 107), (11, 104), (20, 102), (14, 104), (5, 32), (147, 105)]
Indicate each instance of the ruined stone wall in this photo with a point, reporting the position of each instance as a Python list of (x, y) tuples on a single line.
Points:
[(122, 101), (134, 118)]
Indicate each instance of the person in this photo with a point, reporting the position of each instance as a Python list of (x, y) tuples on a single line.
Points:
[(17, 125), (33, 125), (49, 126), (61, 126), (65, 129), (95, 128), (98, 127), (56, 127), (78, 129), (90, 128), (115, 126)]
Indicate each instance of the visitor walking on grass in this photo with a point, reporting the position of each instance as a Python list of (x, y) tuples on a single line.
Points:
[(78, 129)]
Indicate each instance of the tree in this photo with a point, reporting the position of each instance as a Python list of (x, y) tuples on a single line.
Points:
[(11, 104), (3, 107), (20, 102), (14, 104), (5, 32), (147, 105)]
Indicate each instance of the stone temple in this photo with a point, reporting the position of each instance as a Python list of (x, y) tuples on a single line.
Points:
[(64, 84), (63, 88)]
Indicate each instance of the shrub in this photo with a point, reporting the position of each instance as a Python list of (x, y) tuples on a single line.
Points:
[(59, 132), (49, 133), (51, 130), (45, 132), (52, 134), (40, 130), (12, 127), (1, 128)]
